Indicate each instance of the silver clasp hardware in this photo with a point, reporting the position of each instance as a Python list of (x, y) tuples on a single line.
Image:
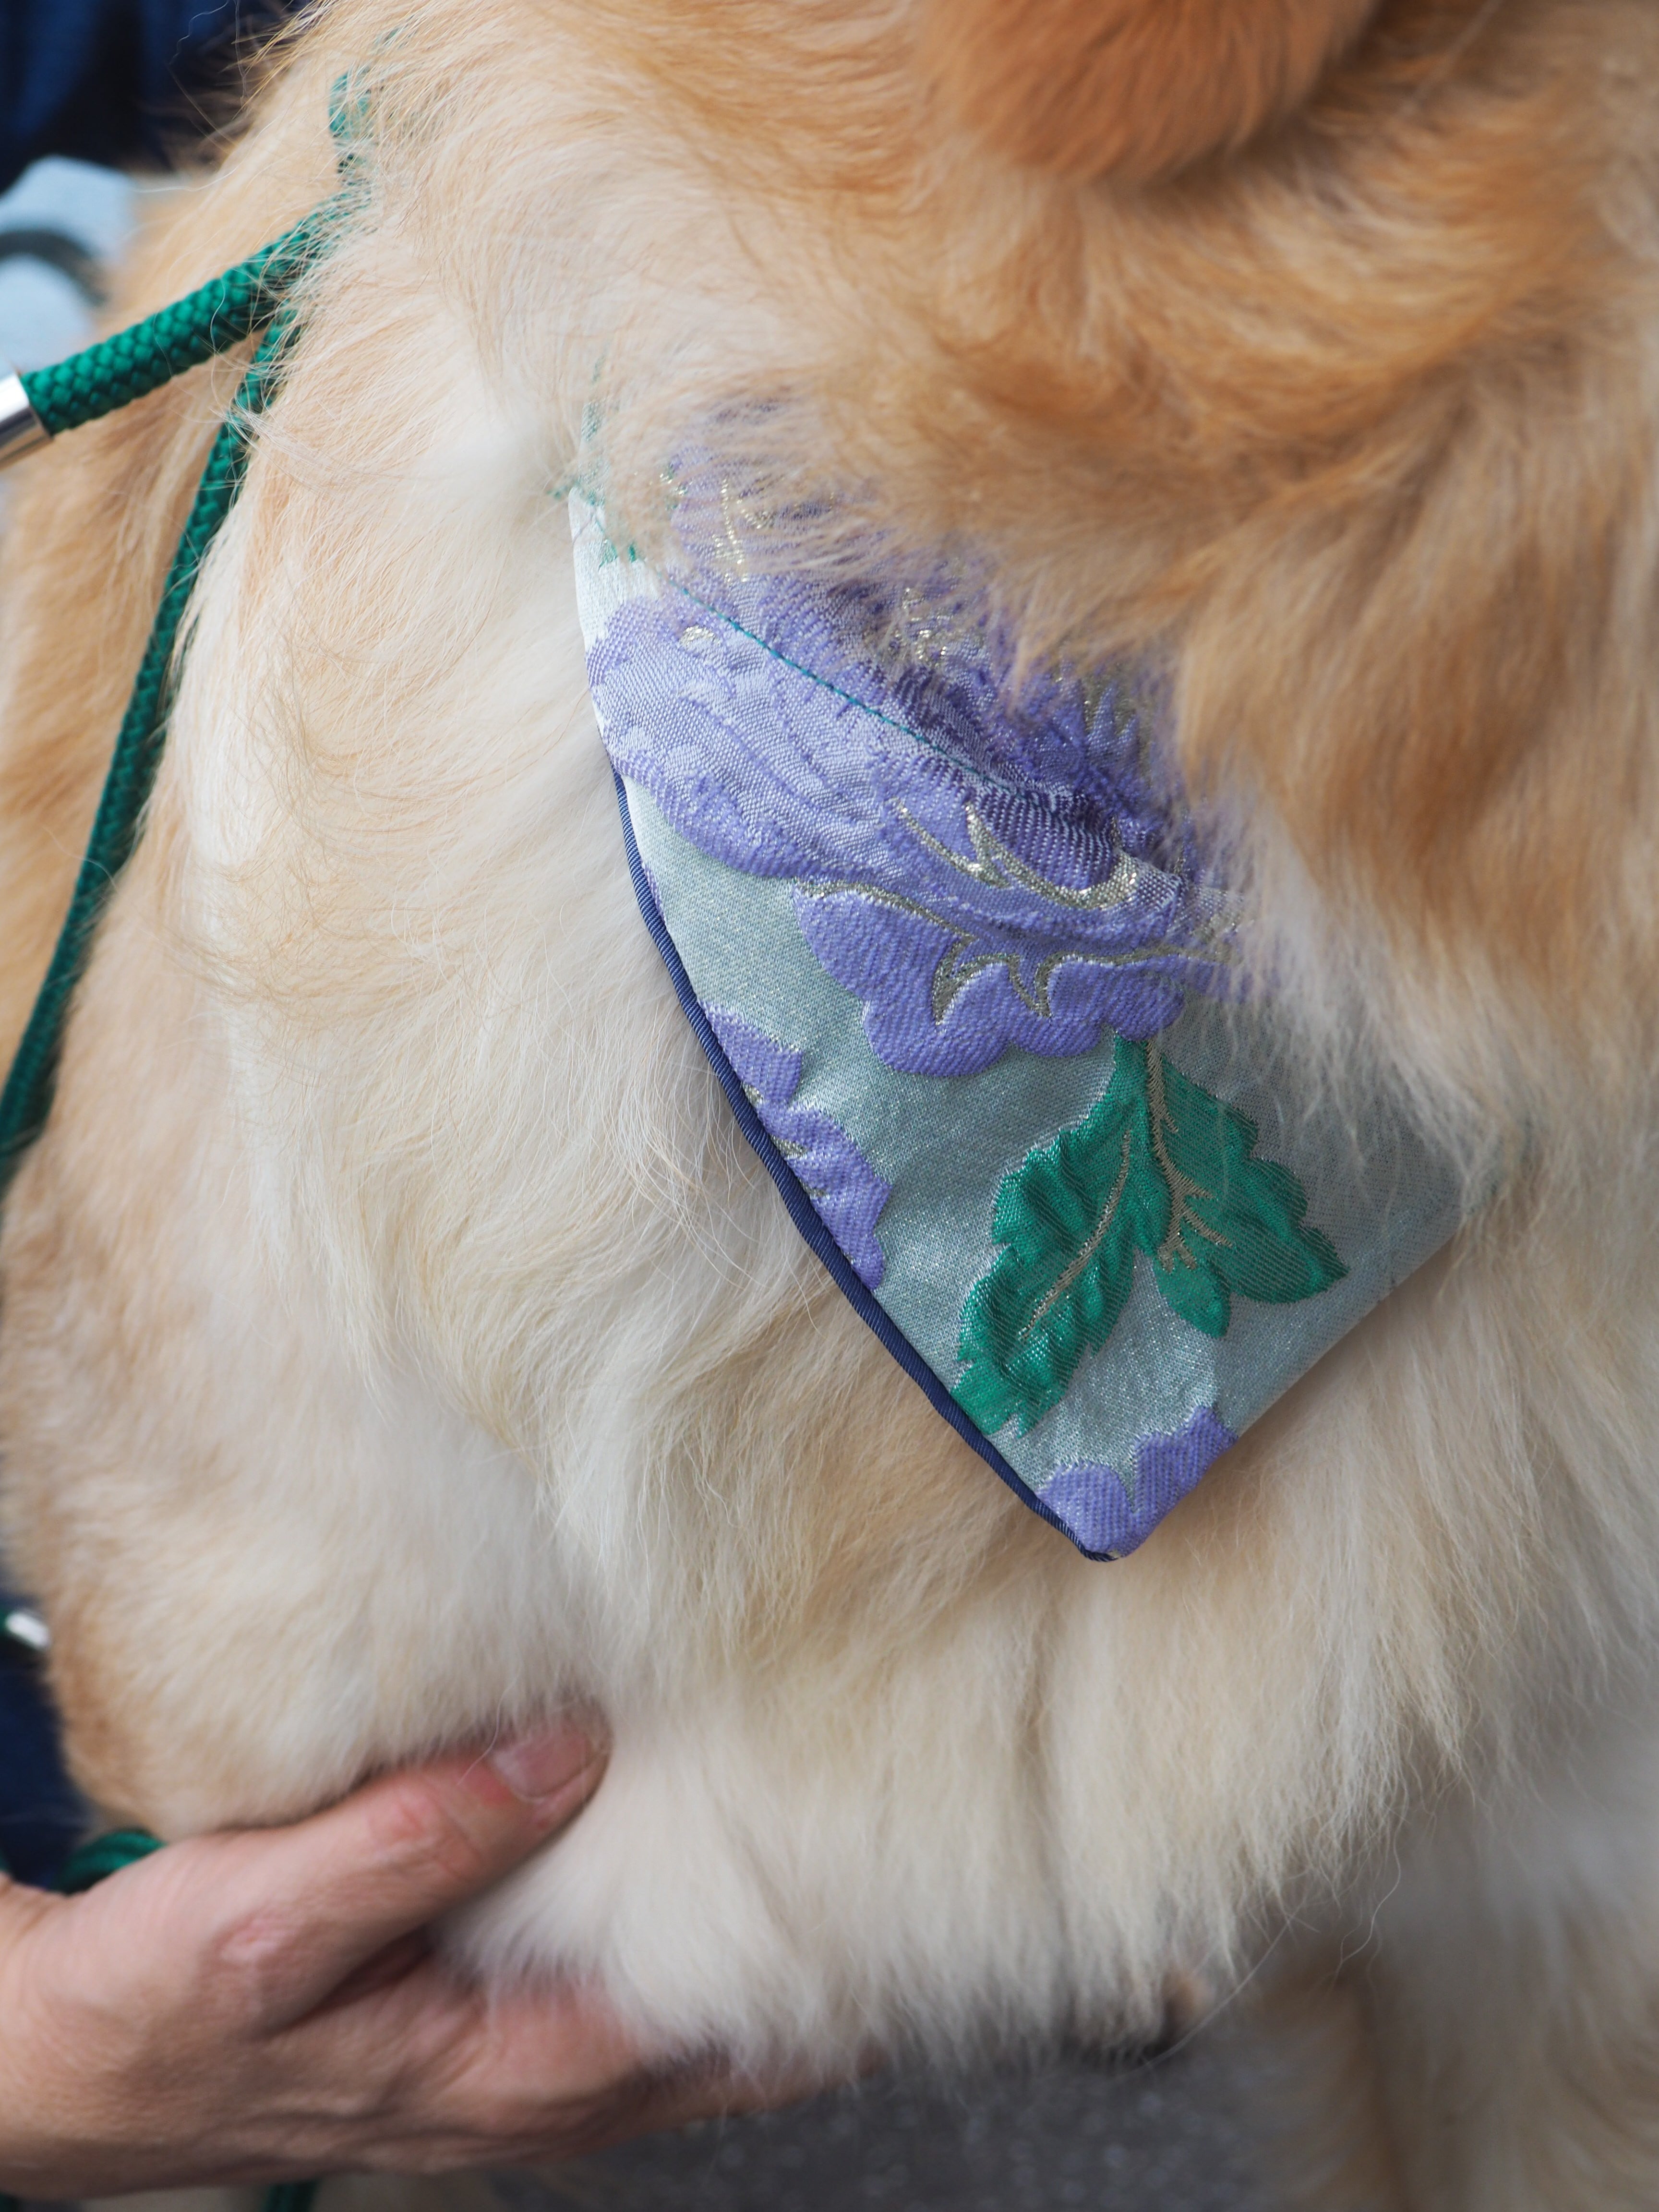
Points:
[(21, 429)]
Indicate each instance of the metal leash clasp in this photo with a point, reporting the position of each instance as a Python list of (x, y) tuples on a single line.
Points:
[(21, 429)]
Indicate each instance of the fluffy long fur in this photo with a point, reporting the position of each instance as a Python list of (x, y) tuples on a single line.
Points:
[(399, 1343)]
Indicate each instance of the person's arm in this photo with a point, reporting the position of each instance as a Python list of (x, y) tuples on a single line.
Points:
[(261, 2006)]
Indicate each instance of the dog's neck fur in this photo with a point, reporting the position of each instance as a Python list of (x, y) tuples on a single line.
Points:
[(1315, 445)]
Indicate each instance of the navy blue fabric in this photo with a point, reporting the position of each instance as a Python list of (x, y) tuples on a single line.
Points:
[(801, 1209), (117, 81), (41, 1818)]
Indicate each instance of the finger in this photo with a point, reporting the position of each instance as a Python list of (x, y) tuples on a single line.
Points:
[(552, 2071), (444, 2076), (424, 2067), (22, 1907), (300, 1909), (392, 1964), (431, 2040)]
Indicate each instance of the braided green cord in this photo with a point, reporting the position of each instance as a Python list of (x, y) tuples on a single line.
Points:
[(104, 1856), (291, 2196), (217, 316), (182, 336), (27, 1099)]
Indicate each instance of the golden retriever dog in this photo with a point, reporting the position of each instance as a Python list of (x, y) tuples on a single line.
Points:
[(400, 1342)]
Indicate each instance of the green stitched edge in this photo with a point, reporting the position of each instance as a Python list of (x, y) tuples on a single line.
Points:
[(27, 1099)]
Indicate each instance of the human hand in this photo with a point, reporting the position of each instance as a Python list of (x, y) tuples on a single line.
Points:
[(262, 2005)]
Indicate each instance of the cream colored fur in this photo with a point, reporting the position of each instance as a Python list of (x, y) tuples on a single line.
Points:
[(400, 1344)]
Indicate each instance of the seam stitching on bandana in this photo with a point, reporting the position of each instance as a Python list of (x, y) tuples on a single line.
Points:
[(837, 691)]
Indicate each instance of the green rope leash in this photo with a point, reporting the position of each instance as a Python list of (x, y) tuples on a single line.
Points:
[(95, 1863), (291, 2196), (104, 1856), (90, 384), (215, 317), (43, 402), (25, 1100)]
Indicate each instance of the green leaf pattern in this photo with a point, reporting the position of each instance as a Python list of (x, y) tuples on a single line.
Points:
[(1161, 1167)]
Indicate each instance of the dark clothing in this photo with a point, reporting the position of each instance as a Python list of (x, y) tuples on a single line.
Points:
[(118, 80), (41, 1819)]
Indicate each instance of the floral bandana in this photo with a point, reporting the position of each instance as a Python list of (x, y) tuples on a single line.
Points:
[(971, 988)]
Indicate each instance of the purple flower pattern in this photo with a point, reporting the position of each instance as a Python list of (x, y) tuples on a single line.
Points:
[(1105, 1513), (845, 1189), (978, 878)]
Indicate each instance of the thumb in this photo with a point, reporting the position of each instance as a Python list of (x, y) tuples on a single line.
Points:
[(301, 1907)]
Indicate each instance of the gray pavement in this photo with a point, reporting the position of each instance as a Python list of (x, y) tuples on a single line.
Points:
[(1175, 2135)]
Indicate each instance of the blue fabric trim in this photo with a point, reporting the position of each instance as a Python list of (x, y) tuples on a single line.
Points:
[(802, 1211)]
